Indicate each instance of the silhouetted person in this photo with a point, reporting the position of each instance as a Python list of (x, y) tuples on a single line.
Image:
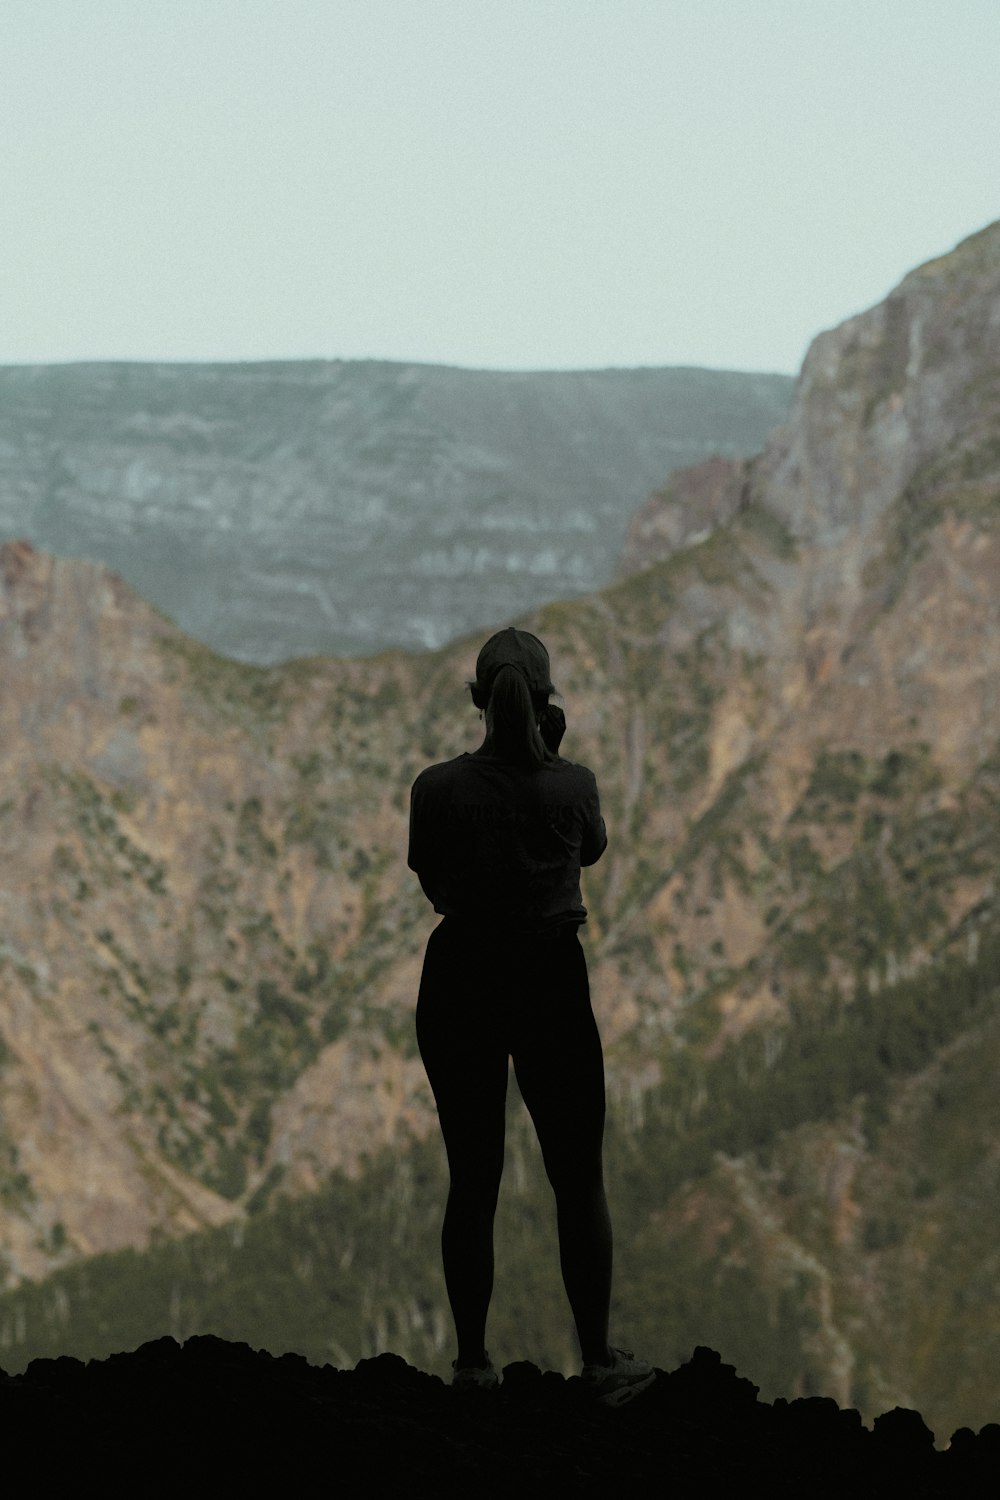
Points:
[(497, 838)]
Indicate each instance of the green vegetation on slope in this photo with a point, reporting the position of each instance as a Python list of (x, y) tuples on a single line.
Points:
[(356, 1267)]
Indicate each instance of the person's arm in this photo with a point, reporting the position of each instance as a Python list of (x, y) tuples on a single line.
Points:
[(552, 726), (595, 834), (419, 857), (413, 849)]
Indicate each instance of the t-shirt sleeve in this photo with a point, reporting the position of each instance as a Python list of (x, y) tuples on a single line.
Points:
[(419, 847), (595, 835), (425, 841)]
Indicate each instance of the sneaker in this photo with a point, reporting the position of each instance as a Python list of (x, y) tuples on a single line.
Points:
[(620, 1381), (469, 1376)]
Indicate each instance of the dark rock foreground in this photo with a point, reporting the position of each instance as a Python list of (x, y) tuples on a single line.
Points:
[(212, 1417)]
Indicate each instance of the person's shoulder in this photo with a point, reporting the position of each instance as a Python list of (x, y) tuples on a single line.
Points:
[(576, 768), (440, 771), (576, 778)]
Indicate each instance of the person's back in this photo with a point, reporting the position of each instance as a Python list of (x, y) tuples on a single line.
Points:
[(498, 839), (499, 847)]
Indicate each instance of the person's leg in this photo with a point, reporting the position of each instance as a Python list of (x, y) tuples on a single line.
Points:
[(586, 1254), (467, 1254), (466, 1064), (559, 1064)]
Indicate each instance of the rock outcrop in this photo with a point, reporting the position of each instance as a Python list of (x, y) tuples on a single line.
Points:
[(696, 502), (208, 1413)]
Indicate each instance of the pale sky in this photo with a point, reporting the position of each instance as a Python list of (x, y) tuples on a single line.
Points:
[(499, 184)]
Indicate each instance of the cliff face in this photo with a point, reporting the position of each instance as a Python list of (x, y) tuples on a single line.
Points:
[(283, 510), (883, 484), (170, 950), (213, 945), (845, 831)]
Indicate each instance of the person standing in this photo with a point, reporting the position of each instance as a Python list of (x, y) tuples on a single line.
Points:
[(497, 839)]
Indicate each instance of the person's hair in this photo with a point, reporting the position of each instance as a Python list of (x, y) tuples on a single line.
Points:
[(514, 710)]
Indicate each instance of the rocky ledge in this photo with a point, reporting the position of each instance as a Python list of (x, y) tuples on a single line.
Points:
[(213, 1417)]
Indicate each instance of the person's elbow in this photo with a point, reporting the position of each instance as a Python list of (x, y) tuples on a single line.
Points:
[(589, 855)]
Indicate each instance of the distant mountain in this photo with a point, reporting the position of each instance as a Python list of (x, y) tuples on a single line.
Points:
[(214, 1114), (292, 509)]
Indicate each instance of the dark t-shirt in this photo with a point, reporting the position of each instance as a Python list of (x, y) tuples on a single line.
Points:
[(499, 847)]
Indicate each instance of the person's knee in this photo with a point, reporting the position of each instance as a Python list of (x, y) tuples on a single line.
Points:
[(475, 1205), (574, 1179), (476, 1184)]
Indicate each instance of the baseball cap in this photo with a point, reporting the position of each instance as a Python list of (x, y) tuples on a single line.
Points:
[(516, 648)]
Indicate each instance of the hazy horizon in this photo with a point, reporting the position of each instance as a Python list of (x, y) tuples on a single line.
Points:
[(542, 185)]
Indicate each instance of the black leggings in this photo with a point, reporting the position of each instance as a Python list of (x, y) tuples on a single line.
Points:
[(484, 1000)]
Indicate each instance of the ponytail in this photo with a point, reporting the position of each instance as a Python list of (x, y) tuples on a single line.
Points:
[(514, 712)]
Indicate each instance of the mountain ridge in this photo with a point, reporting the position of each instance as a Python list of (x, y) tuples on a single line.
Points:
[(282, 509)]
